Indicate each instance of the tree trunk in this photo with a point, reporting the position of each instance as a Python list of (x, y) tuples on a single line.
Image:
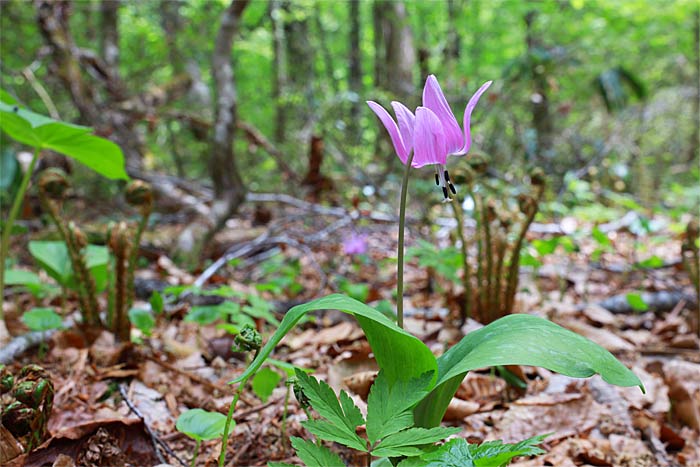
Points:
[(279, 66), (355, 69), (694, 146), (172, 22), (395, 54), (110, 33), (539, 101), (301, 65), (228, 184)]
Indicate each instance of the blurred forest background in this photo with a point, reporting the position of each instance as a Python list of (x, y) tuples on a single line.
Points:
[(235, 96)]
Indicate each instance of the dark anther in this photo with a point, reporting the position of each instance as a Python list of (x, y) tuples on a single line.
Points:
[(452, 188), (437, 180), (15, 109), (444, 192), (447, 176)]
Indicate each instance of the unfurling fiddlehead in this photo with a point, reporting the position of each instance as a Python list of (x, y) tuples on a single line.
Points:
[(690, 252), (53, 187)]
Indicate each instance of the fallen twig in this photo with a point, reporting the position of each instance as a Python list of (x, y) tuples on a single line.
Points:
[(154, 437)]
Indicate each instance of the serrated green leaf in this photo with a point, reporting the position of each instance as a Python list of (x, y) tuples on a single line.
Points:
[(389, 408), (313, 455), (458, 453), (201, 425), (407, 442), (339, 434), (325, 402), (264, 382)]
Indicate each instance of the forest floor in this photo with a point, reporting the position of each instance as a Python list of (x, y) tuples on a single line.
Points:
[(184, 365)]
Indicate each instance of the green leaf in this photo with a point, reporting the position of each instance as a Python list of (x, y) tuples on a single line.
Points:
[(201, 425), (142, 319), (328, 431), (75, 141), (205, 314), (391, 345), (653, 262), (313, 455), (389, 408), (458, 453), (287, 367), (519, 340), (264, 382), (407, 442), (42, 319), (156, 302), (20, 277), (636, 301), (344, 417), (54, 259)]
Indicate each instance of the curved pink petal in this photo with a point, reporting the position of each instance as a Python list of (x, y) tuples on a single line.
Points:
[(428, 139), (434, 99), (393, 130), (406, 121), (468, 115)]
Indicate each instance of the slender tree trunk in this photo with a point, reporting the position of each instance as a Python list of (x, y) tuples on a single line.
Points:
[(477, 41), (453, 45), (110, 33), (395, 54), (279, 66), (172, 23), (355, 68), (539, 101), (694, 146), (301, 59), (228, 184)]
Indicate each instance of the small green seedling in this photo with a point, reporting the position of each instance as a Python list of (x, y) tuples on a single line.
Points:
[(200, 425), (143, 320), (42, 320)]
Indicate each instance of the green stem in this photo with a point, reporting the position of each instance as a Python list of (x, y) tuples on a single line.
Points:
[(402, 223), (7, 227), (196, 451), (229, 416), (466, 281)]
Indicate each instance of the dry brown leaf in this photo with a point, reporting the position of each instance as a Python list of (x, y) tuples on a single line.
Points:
[(478, 387), (631, 452), (597, 314), (344, 331), (683, 379), (459, 409), (360, 383)]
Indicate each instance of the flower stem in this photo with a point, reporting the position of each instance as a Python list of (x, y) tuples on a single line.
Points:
[(7, 226), (402, 223), (466, 281), (196, 452)]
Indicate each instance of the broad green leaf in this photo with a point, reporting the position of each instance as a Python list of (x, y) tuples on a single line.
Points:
[(42, 319), (407, 442), (142, 319), (389, 408), (54, 259), (519, 340), (313, 455), (400, 354), (39, 131), (201, 425), (264, 382), (345, 418), (20, 277), (636, 301)]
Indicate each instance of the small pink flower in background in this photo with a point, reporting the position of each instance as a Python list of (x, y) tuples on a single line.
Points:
[(432, 133), (355, 244)]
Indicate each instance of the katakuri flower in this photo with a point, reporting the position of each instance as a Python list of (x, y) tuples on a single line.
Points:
[(432, 133)]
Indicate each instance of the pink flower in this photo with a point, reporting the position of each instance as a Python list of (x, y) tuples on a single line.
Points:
[(355, 244), (432, 133)]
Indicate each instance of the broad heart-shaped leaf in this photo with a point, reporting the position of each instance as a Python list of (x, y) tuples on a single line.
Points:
[(390, 408), (343, 418), (39, 131), (519, 340), (407, 442), (313, 455), (401, 355), (54, 258), (42, 319), (201, 425)]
